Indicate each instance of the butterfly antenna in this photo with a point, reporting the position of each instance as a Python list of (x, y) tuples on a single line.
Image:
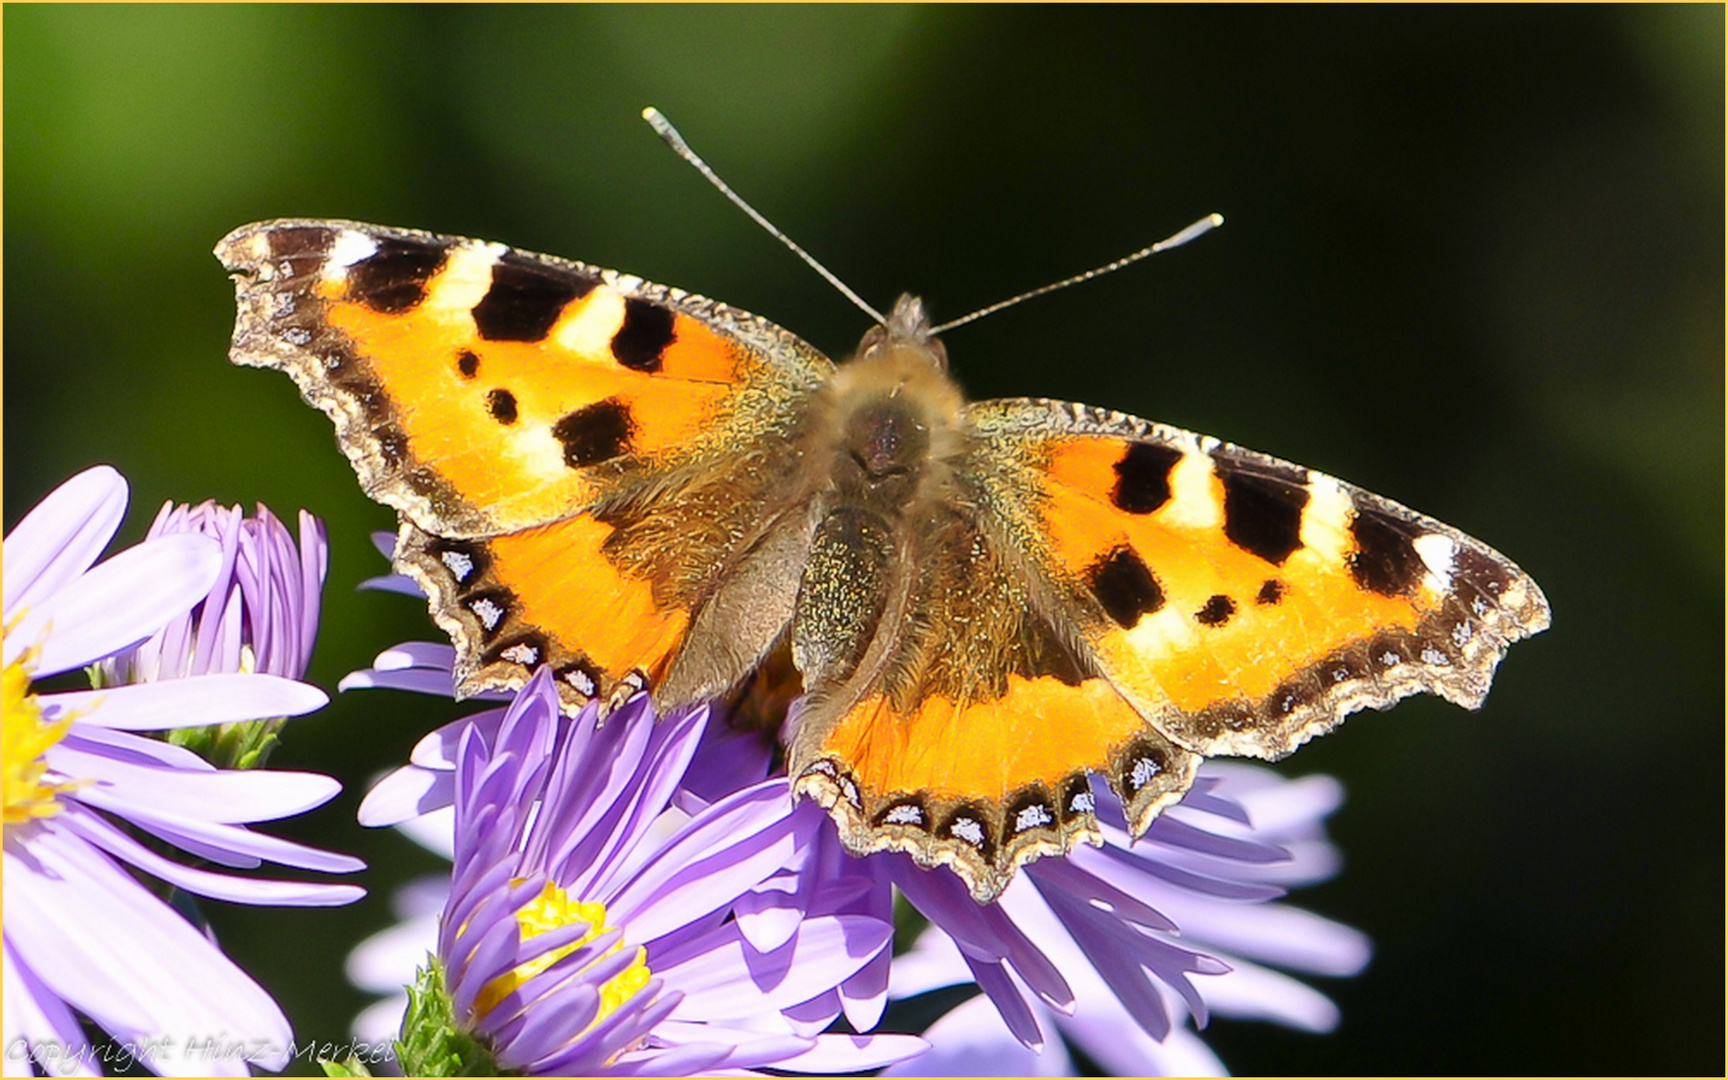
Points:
[(1204, 225), (669, 134)]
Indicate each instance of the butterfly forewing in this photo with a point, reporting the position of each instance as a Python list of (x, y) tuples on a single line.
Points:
[(1243, 603), (481, 390)]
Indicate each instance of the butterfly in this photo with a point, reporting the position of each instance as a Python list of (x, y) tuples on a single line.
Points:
[(986, 603)]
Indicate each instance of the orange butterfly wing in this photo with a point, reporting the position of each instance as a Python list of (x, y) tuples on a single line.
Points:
[(594, 473), (520, 411), (1193, 599), (1245, 604)]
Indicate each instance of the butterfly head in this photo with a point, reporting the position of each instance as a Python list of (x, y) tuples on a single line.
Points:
[(892, 412), (906, 329)]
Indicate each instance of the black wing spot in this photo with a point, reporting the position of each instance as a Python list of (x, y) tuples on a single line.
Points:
[(1126, 588), (1292, 695), (393, 279), (599, 432), (528, 650), (647, 330), (1346, 665), (468, 364), (581, 676), (1271, 592), (1077, 800), (1031, 809), (1481, 572), (1143, 477), (392, 445), (1139, 765), (1217, 611), (909, 811), (466, 563), (1385, 560), (300, 241), (1263, 510), (502, 405), (491, 608), (970, 825), (526, 298)]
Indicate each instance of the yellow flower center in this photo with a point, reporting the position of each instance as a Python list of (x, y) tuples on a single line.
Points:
[(27, 738), (549, 911)]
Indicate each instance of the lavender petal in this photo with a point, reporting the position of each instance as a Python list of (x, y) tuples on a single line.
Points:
[(1116, 1043), (61, 537), (220, 797), (36, 1016), (855, 1053), (220, 839), (158, 975), (1250, 992), (820, 954), (970, 1040), (406, 793), (117, 603), (237, 890), (195, 702)]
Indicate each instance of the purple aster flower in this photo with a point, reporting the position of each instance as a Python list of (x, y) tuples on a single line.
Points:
[(598, 920), (260, 615), (1119, 945), (82, 936)]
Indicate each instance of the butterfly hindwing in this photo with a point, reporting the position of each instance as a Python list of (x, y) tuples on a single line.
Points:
[(948, 719), (1242, 603)]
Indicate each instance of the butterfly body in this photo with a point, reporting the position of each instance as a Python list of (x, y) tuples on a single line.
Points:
[(987, 603)]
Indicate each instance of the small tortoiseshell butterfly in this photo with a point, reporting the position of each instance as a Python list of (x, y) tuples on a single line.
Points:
[(986, 601)]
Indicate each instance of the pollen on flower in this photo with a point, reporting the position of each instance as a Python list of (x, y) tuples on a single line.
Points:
[(549, 911), (27, 738)]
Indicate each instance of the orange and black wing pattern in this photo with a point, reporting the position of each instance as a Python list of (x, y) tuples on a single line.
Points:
[(523, 413), (964, 729), (1243, 604)]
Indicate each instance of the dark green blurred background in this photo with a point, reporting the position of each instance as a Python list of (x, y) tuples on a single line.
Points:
[(1473, 262)]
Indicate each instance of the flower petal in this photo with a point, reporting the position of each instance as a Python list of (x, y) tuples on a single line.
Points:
[(237, 890), (971, 1040), (222, 796), (117, 603), (856, 1053), (1275, 933), (710, 863), (384, 962), (36, 1018), (1118, 1044), (941, 896), (933, 961), (194, 702), (686, 1059), (864, 996), (232, 845), (405, 794), (1010, 1001), (769, 914), (1250, 992), (61, 537), (136, 749), (134, 966), (726, 980)]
